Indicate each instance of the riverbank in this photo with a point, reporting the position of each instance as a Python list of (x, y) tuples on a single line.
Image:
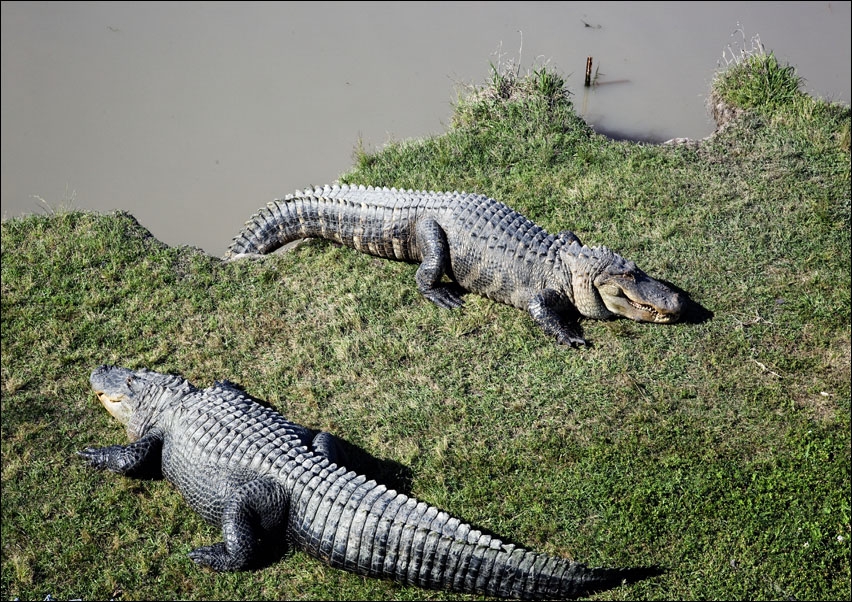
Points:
[(718, 448)]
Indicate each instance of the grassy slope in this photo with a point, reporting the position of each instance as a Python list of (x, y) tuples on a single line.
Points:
[(719, 447)]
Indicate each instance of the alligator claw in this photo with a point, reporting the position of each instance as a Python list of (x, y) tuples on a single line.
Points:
[(214, 556), (444, 297), (94, 457), (570, 339)]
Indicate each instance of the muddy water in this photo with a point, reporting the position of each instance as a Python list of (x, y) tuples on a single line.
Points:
[(193, 115)]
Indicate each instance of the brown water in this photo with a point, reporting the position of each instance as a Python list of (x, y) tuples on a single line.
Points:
[(193, 115)]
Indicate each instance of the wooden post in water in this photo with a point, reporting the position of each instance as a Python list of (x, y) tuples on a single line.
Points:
[(588, 71)]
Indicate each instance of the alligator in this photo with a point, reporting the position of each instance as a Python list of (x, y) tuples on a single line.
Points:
[(245, 468), (482, 244)]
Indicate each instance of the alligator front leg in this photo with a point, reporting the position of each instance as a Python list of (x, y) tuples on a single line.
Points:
[(142, 458), (435, 257), (544, 308), (256, 509)]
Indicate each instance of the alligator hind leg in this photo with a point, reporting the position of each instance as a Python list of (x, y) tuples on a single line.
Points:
[(435, 257), (257, 508), (328, 445)]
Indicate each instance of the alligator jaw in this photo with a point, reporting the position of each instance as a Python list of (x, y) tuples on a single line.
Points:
[(650, 314), (115, 405), (641, 298)]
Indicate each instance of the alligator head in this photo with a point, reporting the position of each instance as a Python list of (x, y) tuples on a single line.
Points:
[(635, 295), (606, 285), (129, 395)]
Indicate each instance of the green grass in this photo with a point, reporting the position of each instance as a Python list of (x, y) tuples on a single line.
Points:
[(718, 447)]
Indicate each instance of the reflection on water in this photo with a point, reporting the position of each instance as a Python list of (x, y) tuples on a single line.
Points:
[(193, 115)]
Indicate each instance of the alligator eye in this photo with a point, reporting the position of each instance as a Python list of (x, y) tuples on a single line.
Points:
[(129, 380)]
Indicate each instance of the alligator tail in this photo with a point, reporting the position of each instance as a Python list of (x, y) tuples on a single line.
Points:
[(272, 227), (335, 213), (360, 526)]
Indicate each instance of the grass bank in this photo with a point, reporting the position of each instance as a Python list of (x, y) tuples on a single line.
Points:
[(718, 448)]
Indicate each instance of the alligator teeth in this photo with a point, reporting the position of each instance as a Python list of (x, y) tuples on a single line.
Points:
[(658, 316), (642, 307)]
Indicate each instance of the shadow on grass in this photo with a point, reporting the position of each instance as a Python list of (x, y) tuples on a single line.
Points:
[(695, 313)]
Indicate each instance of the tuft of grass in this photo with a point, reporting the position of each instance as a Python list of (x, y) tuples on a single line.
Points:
[(760, 82), (506, 84), (754, 79), (718, 448)]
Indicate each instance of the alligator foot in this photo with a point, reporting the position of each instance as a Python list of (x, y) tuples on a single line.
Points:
[(569, 337), (141, 459), (443, 296), (216, 557)]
